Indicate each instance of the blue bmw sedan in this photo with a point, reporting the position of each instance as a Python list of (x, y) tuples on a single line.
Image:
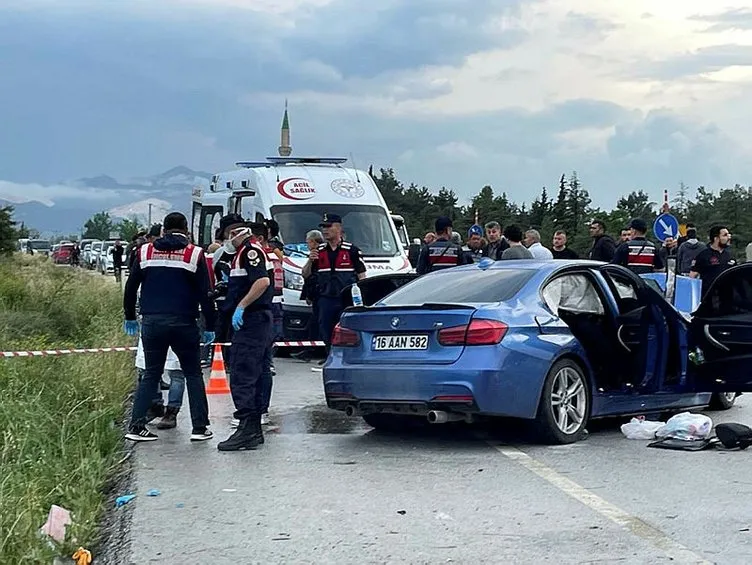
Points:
[(554, 342)]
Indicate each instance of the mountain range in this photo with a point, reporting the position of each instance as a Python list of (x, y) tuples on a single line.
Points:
[(63, 209)]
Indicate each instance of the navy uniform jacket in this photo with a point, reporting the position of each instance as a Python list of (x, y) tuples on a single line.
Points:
[(441, 254), (173, 277), (249, 265), (638, 255)]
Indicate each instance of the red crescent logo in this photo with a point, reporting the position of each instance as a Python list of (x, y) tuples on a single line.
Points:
[(296, 188)]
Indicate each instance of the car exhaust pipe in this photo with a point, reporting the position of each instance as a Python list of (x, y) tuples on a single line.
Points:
[(441, 417), (351, 411)]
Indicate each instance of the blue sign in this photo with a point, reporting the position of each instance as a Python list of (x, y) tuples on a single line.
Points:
[(666, 226)]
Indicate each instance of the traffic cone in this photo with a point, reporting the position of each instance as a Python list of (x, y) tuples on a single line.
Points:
[(218, 378)]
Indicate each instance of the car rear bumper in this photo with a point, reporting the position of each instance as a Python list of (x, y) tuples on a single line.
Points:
[(507, 389)]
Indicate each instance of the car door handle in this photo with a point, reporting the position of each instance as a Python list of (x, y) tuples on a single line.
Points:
[(621, 341), (724, 334), (713, 340)]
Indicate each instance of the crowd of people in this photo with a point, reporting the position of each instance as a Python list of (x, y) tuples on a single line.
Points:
[(233, 290), (688, 255)]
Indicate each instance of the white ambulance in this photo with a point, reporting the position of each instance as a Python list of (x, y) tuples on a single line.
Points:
[(296, 192)]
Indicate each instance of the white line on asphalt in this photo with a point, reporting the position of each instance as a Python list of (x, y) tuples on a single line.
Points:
[(635, 525)]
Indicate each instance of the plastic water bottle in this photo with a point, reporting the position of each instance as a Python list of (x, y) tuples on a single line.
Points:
[(357, 298)]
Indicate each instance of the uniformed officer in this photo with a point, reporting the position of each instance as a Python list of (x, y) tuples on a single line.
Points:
[(250, 291), (337, 264), (174, 281), (441, 253), (638, 254)]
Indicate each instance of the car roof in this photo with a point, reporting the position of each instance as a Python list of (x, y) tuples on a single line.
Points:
[(544, 266)]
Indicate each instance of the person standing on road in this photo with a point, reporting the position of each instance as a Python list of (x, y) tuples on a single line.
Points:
[(603, 248), (167, 416), (443, 252), (516, 250), (473, 250), (560, 249), (714, 259), (638, 254), (497, 244), (117, 259), (688, 251), (337, 265), (222, 265), (250, 292), (174, 281), (535, 247)]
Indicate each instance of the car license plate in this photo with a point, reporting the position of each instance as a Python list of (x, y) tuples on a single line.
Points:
[(400, 342)]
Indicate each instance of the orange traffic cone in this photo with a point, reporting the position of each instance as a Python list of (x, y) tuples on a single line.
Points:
[(218, 378)]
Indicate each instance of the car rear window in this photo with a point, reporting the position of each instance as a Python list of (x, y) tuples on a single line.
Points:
[(461, 287)]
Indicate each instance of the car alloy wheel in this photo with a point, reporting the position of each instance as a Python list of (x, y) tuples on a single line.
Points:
[(564, 406), (723, 400), (568, 400)]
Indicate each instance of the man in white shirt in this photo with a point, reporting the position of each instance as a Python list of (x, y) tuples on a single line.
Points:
[(533, 244)]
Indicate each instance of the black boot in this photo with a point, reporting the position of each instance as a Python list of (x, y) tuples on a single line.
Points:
[(169, 420), (155, 411), (247, 436)]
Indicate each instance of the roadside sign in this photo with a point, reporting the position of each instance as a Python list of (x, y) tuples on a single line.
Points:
[(666, 226), (114, 235), (682, 230)]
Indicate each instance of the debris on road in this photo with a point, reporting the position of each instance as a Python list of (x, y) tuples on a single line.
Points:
[(153, 492), (640, 428), (402, 512), (123, 500), (82, 556)]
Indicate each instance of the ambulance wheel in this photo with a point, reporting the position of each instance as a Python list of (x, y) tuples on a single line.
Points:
[(722, 400)]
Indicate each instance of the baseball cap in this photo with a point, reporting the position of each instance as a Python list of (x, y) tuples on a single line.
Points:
[(230, 220), (155, 231), (443, 223), (639, 225), (475, 230), (330, 219)]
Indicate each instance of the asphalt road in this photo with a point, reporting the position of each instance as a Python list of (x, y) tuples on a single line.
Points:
[(325, 489)]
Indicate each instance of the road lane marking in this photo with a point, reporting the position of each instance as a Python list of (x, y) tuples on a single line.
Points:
[(635, 525)]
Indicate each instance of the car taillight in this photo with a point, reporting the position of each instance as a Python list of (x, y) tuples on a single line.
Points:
[(344, 337), (477, 332)]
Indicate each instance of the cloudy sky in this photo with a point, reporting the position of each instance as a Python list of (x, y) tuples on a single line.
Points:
[(638, 94)]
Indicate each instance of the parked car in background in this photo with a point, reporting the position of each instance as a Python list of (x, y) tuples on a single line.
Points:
[(92, 257), (557, 343), (63, 255), (105, 265), (39, 247)]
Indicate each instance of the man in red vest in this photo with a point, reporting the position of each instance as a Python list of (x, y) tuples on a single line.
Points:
[(338, 264)]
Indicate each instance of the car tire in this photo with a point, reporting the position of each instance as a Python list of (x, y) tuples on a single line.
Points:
[(571, 427), (395, 423), (722, 400)]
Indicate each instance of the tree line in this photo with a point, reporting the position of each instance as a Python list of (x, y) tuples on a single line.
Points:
[(570, 209)]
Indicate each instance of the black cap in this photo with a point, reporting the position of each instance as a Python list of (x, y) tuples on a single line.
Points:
[(155, 231), (443, 223), (330, 219), (638, 224), (230, 220)]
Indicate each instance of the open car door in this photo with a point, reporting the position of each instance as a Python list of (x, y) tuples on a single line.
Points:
[(722, 328), (375, 288)]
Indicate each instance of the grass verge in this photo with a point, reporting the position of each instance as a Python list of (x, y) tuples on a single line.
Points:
[(60, 434)]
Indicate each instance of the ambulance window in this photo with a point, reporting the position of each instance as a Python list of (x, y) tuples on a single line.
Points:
[(210, 216)]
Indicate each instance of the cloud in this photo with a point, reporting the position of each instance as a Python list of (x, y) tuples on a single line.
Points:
[(507, 92), (18, 193), (738, 19)]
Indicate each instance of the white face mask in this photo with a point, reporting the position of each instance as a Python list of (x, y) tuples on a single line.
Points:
[(229, 247)]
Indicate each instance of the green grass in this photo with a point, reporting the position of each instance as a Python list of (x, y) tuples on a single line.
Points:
[(60, 435)]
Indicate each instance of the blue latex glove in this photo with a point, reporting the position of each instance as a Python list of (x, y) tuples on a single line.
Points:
[(131, 327), (208, 337), (237, 318), (225, 277)]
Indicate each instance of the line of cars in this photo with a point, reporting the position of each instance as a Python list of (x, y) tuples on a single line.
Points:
[(557, 343), (94, 254)]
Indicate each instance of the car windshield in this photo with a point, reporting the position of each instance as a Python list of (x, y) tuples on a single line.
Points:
[(39, 244), (461, 287), (367, 227)]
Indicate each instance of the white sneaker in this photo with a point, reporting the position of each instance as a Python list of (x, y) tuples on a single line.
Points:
[(264, 419), (234, 423)]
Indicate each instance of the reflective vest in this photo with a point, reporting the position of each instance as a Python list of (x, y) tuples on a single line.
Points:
[(186, 258), (641, 256), (278, 277), (443, 254), (333, 277)]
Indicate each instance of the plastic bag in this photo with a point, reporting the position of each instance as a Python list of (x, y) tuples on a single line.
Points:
[(687, 426), (639, 428)]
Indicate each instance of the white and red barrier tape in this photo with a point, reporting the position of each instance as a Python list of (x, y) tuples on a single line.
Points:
[(53, 352)]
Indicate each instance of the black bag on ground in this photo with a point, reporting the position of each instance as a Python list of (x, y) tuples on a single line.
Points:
[(734, 436)]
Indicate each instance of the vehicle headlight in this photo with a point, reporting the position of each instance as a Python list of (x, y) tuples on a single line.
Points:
[(293, 281)]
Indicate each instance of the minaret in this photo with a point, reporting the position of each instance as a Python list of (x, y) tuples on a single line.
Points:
[(284, 148)]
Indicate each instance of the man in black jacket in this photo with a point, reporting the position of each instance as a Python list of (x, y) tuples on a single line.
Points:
[(603, 248), (174, 281)]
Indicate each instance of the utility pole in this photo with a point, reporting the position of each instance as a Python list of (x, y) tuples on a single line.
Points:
[(150, 214)]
